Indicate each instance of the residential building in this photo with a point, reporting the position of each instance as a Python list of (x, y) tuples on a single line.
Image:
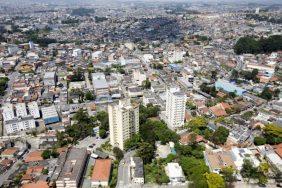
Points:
[(49, 79), (8, 112), (137, 170), (101, 173), (175, 107), (216, 160), (174, 173), (124, 122), (139, 77), (21, 110), (34, 109), (19, 124), (72, 169)]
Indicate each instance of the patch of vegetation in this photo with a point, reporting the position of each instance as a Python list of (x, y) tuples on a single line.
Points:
[(82, 12), (263, 45), (3, 85)]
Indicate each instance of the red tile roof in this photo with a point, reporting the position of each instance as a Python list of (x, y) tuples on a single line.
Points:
[(9, 151), (40, 183), (34, 156), (102, 170)]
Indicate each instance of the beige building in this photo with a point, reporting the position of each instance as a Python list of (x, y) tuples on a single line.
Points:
[(124, 122)]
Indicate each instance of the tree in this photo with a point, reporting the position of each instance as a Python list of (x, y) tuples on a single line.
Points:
[(228, 174), (215, 180), (146, 84), (118, 153), (248, 170), (266, 94), (46, 154), (45, 171), (194, 169), (273, 134), (198, 122), (258, 141), (102, 133), (132, 142), (89, 96), (146, 152), (220, 135)]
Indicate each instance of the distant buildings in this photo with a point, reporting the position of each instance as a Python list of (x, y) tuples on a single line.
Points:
[(71, 171), (124, 122), (101, 173), (175, 107)]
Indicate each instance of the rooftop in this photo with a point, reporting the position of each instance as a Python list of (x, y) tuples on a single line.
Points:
[(102, 170)]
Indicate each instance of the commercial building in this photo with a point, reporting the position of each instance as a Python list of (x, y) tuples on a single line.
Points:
[(100, 84), (229, 87), (124, 122), (137, 170), (50, 115), (174, 173), (49, 79), (101, 173), (175, 107), (71, 171)]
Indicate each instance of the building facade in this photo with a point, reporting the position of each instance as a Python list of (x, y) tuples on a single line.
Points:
[(124, 122), (175, 107)]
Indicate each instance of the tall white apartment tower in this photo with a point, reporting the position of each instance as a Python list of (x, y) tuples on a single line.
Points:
[(124, 122), (175, 107)]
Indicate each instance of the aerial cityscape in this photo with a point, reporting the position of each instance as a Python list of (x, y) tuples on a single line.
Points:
[(140, 93)]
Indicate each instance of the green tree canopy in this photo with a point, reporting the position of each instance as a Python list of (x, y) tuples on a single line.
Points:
[(273, 134), (118, 153), (146, 152), (215, 180), (220, 135)]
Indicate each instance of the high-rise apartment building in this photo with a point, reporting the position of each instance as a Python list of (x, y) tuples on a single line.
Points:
[(175, 107), (124, 122)]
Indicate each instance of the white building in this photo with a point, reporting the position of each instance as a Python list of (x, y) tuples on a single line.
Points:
[(100, 84), (34, 109), (19, 124), (8, 112), (124, 122), (174, 173), (77, 53), (239, 154), (139, 77), (21, 110), (49, 79), (175, 107), (97, 55), (136, 170)]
